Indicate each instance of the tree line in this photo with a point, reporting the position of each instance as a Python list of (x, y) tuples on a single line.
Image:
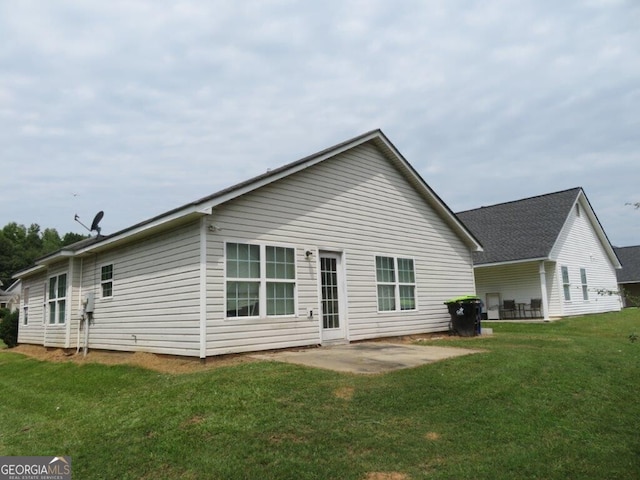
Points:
[(20, 246)]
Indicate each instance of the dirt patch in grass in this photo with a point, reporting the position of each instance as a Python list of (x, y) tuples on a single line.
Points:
[(345, 393), (151, 361), (432, 436), (386, 476)]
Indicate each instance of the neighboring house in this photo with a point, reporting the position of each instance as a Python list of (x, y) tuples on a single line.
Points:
[(10, 298), (629, 276), (550, 249), (347, 244)]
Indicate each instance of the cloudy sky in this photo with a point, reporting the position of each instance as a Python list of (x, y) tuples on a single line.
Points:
[(135, 107)]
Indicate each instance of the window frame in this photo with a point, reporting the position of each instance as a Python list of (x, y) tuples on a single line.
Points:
[(55, 302), (104, 282), (397, 283), (267, 284), (25, 306), (566, 282), (584, 283)]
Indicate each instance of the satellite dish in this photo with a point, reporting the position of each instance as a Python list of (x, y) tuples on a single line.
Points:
[(94, 224), (96, 221)]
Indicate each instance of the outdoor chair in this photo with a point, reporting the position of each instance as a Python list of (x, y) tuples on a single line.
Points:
[(536, 306), (508, 309)]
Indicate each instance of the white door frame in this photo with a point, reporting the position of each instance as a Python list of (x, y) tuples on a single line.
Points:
[(338, 334)]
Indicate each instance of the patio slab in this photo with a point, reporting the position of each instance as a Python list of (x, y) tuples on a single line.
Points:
[(366, 357)]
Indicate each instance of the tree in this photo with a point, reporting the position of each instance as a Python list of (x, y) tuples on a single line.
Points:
[(9, 327), (21, 246)]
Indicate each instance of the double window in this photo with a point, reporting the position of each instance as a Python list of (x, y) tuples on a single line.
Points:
[(396, 282), (57, 298), (260, 280), (106, 280)]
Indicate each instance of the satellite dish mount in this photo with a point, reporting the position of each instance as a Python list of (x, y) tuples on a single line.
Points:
[(94, 225)]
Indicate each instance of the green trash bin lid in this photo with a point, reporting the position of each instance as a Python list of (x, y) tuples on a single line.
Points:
[(463, 298)]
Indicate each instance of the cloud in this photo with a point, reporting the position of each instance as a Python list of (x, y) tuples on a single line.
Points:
[(143, 106)]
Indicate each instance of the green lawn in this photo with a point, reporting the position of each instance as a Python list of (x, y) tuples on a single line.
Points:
[(552, 401)]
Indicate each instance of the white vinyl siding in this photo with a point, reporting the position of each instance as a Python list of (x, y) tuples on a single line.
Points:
[(338, 205), (156, 308), (578, 247)]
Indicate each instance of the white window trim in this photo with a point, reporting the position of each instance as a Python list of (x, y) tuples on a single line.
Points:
[(25, 306), (584, 286), (57, 300), (397, 284), (262, 280), (568, 284), (102, 282)]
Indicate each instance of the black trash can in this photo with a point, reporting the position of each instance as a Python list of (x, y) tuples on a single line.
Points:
[(465, 313)]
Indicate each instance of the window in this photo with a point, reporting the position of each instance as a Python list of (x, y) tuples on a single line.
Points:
[(25, 306), (565, 283), (106, 280), (260, 280), (396, 283), (583, 279), (57, 299)]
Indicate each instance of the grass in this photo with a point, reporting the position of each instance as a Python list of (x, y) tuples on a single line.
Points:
[(553, 401)]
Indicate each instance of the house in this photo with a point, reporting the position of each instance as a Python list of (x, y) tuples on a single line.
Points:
[(629, 275), (347, 244), (549, 252), (10, 298)]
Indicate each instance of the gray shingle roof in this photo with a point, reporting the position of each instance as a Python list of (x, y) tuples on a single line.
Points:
[(630, 260), (519, 230)]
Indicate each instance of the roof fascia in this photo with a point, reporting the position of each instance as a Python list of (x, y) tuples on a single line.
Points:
[(513, 262)]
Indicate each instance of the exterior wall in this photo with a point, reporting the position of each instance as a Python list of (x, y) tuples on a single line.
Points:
[(579, 247), (33, 331), (360, 205), (155, 302)]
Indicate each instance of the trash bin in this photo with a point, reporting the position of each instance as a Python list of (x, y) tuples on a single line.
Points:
[(465, 312)]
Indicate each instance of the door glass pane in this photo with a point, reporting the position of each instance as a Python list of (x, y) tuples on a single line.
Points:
[(330, 301)]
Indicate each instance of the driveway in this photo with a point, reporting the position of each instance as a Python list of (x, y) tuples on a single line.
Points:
[(366, 357)]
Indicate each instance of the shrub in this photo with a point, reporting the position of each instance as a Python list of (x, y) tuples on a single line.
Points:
[(9, 327)]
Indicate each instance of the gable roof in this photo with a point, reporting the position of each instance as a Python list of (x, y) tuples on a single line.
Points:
[(527, 229), (630, 260), (205, 205)]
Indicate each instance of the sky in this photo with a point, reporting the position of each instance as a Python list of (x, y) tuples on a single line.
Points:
[(136, 107)]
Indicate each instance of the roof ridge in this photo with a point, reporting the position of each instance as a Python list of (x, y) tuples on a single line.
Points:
[(521, 199)]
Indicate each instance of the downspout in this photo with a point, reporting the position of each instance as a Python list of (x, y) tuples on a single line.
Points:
[(80, 306), (203, 289), (543, 288), (69, 306)]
